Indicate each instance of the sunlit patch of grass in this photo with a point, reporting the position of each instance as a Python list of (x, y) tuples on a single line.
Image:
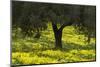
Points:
[(52, 56), (26, 58), (87, 54), (53, 53), (30, 50)]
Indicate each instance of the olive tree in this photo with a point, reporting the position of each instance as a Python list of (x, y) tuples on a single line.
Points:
[(34, 16)]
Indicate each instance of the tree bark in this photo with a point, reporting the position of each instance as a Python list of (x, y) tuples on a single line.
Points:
[(58, 33), (58, 39), (58, 36)]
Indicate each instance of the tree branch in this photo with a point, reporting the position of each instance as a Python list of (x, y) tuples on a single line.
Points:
[(65, 24), (54, 26)]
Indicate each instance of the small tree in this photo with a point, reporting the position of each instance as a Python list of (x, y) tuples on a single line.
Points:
[(35, 16)]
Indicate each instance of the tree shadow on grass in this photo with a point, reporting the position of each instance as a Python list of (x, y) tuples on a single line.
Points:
[(71, 46)]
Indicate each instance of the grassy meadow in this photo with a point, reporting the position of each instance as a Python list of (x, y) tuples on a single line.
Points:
[(30, 50)]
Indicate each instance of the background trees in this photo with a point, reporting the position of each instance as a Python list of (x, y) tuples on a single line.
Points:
[(34, 17)]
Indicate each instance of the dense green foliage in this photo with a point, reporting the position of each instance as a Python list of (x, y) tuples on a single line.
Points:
[(29, 50), (34, 16)]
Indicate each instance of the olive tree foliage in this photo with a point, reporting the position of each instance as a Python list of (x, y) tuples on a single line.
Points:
[(33, 16), (27, 17), (87, 23)]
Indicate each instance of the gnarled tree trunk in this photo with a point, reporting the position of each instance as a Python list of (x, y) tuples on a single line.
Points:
[(58, 36), (58, 33)]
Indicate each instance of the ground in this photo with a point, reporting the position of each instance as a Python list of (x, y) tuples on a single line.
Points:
[(30, 50)]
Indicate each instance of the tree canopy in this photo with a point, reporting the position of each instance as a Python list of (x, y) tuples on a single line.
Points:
[(34, 16)]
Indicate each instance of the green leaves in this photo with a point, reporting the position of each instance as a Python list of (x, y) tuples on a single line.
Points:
[(33, 16)]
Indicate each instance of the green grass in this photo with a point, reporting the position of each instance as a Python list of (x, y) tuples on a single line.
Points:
[(41, 51)]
